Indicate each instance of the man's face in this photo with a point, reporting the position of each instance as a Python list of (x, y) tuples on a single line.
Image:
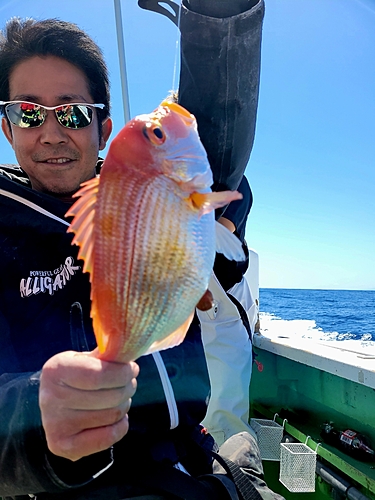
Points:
[(56, 159)]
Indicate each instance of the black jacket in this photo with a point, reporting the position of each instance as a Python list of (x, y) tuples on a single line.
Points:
[(42, 278)]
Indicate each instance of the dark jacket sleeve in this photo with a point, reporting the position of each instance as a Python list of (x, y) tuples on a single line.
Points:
[(219, 84), (20, 423), (26, 465), (20, 434)]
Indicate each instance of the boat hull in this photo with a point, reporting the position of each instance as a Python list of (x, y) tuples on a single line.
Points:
[(309, 384)]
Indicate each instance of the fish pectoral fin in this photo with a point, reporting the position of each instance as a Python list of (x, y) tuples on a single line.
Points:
[(82, 225), (228, 244), (173, 339), (206, 202)]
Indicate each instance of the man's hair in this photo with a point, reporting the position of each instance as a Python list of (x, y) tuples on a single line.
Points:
[(23, 39)]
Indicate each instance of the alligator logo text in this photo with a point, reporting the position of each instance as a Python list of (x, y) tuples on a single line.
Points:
[(48, 281)]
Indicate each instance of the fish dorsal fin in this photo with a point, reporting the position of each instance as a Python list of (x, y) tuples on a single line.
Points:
[(173, 339), (82, 225)]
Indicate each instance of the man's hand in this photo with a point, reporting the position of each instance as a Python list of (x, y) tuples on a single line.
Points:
[(84, 402)]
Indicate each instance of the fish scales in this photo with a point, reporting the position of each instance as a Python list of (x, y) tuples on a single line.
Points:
[(115, 247), (163, 248), (158, 217)]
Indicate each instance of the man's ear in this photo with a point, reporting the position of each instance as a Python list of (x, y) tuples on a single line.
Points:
[(7, 130), (106, 132)]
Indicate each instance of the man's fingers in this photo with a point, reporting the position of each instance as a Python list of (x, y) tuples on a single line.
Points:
[(87, 372), (89, 441), (78, 399), (74, 422), (84, 402)]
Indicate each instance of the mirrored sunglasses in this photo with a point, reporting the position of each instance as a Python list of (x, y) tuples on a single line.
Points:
[(30, 115)]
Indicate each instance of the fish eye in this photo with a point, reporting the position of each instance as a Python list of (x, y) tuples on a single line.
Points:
[(158, 132), (154, 133)]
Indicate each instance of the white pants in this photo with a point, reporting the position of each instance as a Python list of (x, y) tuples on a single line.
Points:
[(229, 358)]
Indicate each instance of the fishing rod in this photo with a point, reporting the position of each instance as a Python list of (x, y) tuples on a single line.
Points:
[(122, 60), (153, 5)]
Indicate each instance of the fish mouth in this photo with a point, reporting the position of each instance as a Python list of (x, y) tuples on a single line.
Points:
[(188, 118)]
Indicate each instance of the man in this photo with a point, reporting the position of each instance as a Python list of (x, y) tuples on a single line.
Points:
[(64, 428), (227, 330)]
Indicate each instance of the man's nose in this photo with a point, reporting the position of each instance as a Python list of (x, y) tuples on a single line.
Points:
[(52, 132)]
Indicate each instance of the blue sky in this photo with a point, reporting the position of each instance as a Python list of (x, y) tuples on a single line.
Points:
[(312, 166)]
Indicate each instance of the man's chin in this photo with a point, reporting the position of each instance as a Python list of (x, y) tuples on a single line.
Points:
[(60, 186), (63, 193)]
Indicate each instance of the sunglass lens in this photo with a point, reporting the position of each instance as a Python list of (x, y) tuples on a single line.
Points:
[(74, 116), (26, 115)]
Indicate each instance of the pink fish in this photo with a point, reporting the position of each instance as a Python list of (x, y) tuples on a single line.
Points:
[(146, 232)]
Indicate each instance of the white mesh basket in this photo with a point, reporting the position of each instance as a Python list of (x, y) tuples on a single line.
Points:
[(269, 434), (297, 467)]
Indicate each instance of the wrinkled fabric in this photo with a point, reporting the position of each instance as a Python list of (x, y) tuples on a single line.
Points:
[(228, 350), (228, 88), (243, 450)]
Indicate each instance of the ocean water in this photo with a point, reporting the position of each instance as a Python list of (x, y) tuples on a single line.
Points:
[(346, 316)]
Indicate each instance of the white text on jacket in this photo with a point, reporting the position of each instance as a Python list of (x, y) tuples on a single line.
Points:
[(48, 281)]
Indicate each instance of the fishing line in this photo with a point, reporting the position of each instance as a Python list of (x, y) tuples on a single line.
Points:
[(177, 51)]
